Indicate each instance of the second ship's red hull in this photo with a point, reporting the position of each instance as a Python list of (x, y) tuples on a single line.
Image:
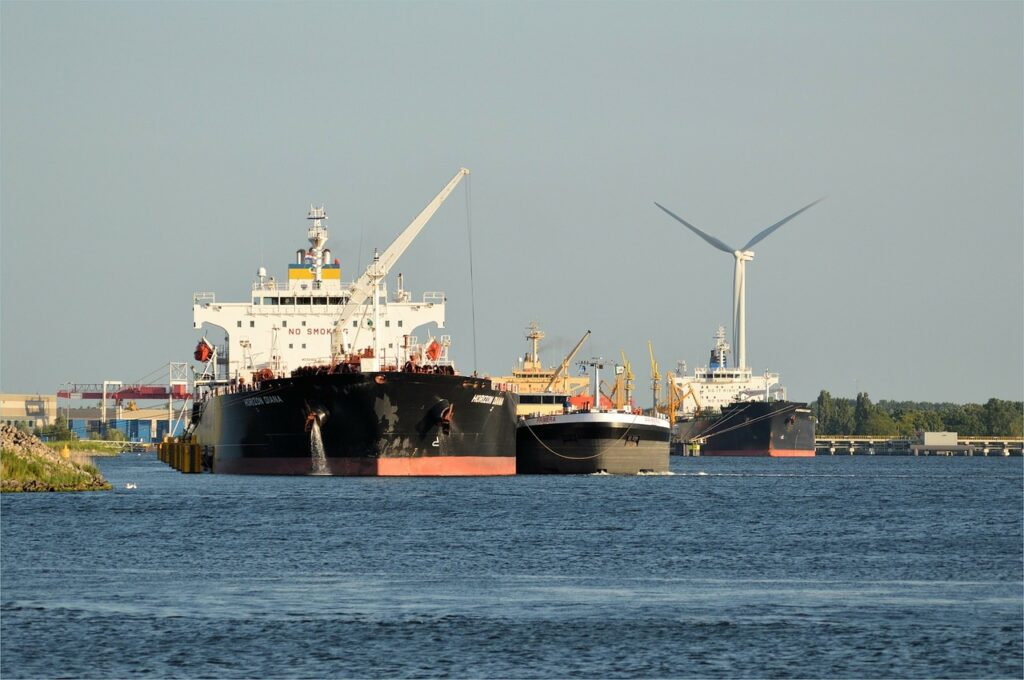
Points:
[(776, 453)]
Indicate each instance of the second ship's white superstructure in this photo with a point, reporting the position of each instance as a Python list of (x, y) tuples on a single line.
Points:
[(710, 388)]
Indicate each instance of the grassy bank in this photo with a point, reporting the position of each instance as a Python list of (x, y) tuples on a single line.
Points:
[(96, 448), (28, 465), (35, 473)]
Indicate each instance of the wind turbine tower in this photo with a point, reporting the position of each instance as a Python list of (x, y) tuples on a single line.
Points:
[(739, 283)]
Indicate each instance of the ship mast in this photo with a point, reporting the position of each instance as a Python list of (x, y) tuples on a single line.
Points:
[(535, 335), (597, 363), (317, 235), (376, 306)]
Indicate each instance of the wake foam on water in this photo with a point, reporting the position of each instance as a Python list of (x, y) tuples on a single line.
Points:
[(756, 474)]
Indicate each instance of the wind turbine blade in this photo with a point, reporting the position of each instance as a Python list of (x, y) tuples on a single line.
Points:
[(767, 232), (707, 237)]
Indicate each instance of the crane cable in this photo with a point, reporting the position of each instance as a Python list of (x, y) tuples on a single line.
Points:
[(720, 423), (472, 291), (581, 458), (748, 423)]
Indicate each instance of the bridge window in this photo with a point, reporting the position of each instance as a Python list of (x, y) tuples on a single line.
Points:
[(303, 301), (287, 301), (336, 301), (319, 301), (255, 301), (269, 301)]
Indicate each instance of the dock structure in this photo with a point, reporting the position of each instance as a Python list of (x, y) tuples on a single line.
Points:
[(885, 446)]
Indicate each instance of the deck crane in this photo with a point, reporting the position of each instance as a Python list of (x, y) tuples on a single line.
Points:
[(655, 379), (367, 285), (565, 362), (676, 397)]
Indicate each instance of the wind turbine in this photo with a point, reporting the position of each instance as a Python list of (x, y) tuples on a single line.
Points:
[(739, 282)]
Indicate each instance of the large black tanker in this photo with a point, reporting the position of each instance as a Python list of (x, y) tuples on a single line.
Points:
[(320, 377), (380, 423)]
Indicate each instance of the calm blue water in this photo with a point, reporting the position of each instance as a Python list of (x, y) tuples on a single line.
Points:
[(837, 567)]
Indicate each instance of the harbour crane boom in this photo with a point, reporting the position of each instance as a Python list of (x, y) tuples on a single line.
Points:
[(363, 288), (628, 378), (655, 379), (565, 362)]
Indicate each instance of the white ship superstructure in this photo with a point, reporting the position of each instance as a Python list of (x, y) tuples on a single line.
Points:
[(710, 388), (313, 317)]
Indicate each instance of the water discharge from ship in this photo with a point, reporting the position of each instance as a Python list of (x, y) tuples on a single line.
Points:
[(316, 450)]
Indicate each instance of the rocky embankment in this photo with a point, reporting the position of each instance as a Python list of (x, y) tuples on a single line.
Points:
[(26, 464)]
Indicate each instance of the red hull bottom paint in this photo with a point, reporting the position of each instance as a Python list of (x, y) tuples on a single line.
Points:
[(773, 453), (433, 466)]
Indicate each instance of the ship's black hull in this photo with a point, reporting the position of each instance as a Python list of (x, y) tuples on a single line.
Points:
[(389, 423), (576, 444), (776, 429)]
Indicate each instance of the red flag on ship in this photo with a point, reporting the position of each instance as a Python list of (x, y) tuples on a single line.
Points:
[(433, 350)]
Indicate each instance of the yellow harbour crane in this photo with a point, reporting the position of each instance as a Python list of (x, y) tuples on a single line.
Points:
[(629, 382), (655, 379)]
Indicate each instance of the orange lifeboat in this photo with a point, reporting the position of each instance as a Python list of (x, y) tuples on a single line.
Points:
[(204, 350)]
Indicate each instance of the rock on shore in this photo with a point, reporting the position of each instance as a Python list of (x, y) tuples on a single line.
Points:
[(29, 465)]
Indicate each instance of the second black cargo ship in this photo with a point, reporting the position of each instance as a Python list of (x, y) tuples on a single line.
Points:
[(757, 428), (591, 437)]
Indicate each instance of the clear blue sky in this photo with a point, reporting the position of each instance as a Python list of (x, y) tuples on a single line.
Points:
[(151, 150)]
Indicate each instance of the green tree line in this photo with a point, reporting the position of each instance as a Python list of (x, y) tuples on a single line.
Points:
[(841, 416)]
